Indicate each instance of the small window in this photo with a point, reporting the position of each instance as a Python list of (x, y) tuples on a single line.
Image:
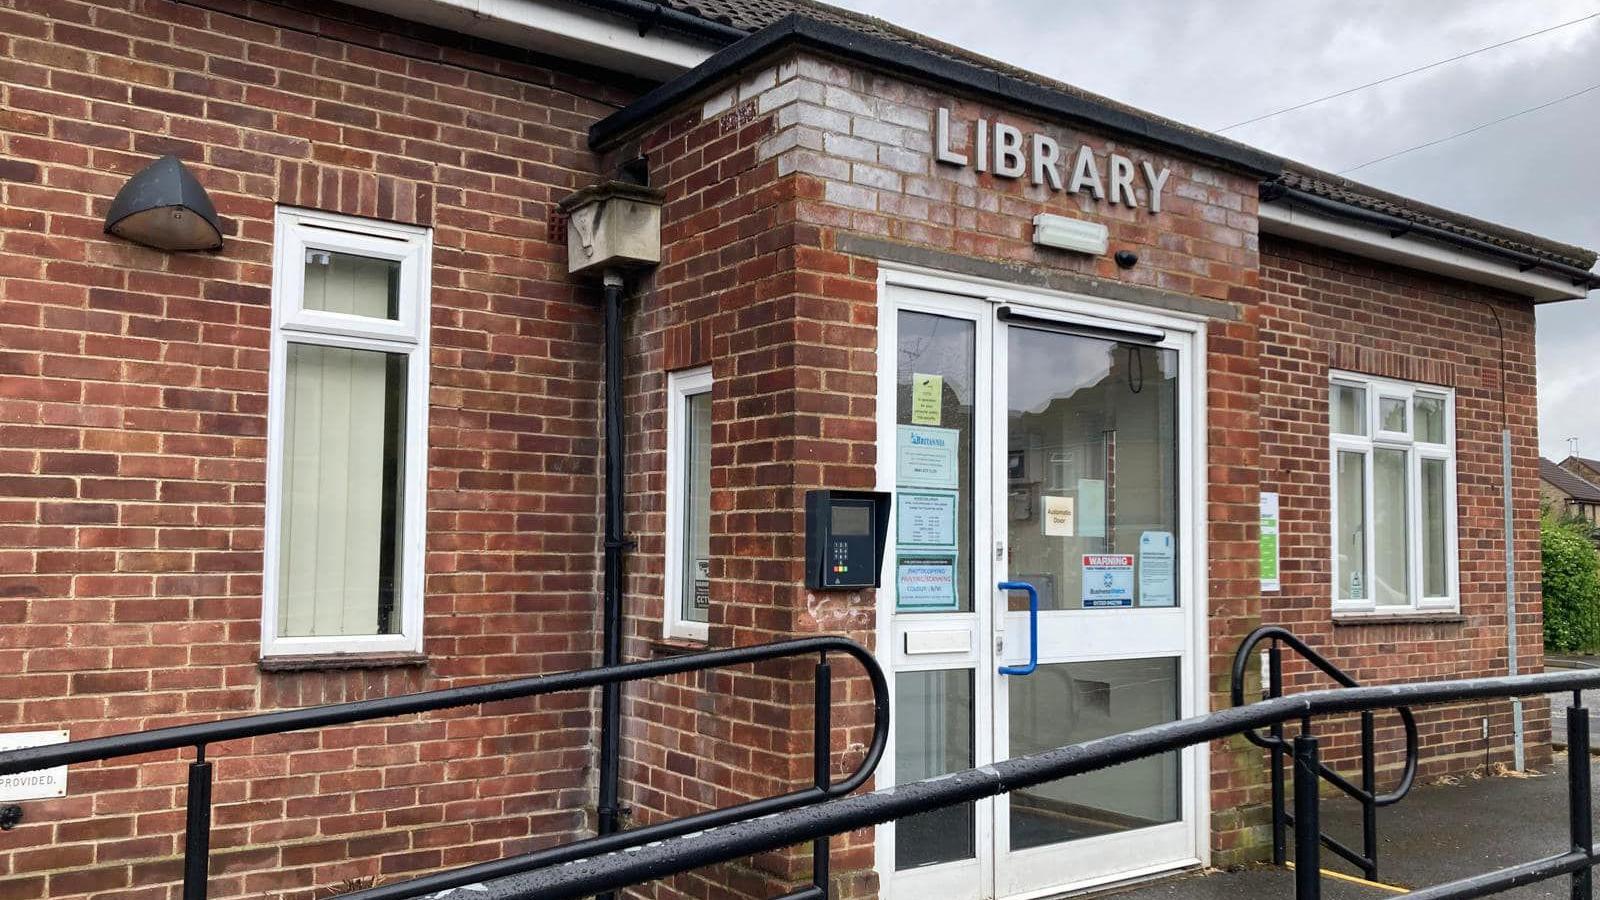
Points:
[(1350, 409), (687, 598), (1392, 415), (1393, 509), (346, 437), (1429, 418), (352, 285), (1350, 571)]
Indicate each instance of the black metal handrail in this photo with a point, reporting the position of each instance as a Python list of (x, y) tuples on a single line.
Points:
[(1367, 794), (200, 735), (615, 870)]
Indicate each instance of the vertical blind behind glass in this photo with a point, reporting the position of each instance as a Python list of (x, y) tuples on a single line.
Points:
[(697, 511), (343, 445)]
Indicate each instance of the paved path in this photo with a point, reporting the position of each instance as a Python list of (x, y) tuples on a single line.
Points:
[(1560, 702), (1558, 717), (1438, 833)]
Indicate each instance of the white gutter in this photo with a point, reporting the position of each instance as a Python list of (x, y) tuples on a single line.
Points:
[(559, 29), (1285, 220)]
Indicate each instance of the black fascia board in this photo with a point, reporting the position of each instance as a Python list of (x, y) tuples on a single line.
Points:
[(799, 30), (1398, 227)]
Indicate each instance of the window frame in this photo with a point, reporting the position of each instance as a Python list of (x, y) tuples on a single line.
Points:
[(681, 386), (294, 232), (1416, 451)]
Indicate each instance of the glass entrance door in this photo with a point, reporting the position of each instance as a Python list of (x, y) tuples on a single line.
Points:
[(1089, 425), (1036, 447)]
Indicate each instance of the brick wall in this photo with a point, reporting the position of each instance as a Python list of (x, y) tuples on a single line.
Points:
[(853, 156), (763, 179), (860, 145), (742, 288), (132, 423), (1323, 310), (132, 437)]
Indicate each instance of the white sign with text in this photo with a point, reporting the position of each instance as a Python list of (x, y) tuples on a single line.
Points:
[(39, 785)]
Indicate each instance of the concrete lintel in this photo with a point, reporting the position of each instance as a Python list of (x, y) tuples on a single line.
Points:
[(1035, 276)]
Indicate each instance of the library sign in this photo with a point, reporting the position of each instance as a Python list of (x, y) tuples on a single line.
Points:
[(1007, 152)]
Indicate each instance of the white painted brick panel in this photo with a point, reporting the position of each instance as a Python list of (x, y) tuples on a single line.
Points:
[(766, 79), (876, 130), (904, 160), (812, 162), (905, 116), (851, 195), (849, 101), (850, 148), (717, 105), (873, 176), (790, 92), (814, 116)]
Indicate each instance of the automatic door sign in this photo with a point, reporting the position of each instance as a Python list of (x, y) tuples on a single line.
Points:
[(1058, 518), (1107, 580)]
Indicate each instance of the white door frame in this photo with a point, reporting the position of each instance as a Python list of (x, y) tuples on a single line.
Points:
[(963, 290)]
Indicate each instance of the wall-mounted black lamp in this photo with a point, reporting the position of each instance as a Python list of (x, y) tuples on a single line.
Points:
[(164, 207)]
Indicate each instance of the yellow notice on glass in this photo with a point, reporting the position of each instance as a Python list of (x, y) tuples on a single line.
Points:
[(927, 392)]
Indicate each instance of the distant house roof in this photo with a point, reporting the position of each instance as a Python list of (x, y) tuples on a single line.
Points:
[(881, 38), (1568, 483), (1591, 464)]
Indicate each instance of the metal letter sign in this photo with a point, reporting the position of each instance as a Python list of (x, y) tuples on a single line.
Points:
[(1009, 153)]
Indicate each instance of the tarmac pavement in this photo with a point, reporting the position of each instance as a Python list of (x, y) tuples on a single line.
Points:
[(1560, 701), (1436, 834)]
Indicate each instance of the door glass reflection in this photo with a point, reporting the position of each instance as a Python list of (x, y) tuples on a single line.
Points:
[(934, 438), (1066, 703), (933, 735), (1092, 471)]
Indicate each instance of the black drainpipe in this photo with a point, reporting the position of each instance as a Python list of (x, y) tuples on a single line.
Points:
[(616, 547)]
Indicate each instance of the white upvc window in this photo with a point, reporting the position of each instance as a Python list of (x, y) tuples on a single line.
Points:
[(1393, 496), (686, 598), (346, 436)]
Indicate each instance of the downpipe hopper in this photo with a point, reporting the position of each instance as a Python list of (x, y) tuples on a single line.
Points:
[(613, 225)]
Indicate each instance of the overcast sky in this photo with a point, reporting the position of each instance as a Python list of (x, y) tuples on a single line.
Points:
[(1215, 62)]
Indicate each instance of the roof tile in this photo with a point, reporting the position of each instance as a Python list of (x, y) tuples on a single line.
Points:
[(753, 15), (1568, 483)]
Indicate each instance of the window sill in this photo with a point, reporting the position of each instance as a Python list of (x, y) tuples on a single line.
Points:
[(1407, 617), (677, 646), (323, 662)]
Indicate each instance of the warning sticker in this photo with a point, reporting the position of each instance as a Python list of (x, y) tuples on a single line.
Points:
[(1107, 580)]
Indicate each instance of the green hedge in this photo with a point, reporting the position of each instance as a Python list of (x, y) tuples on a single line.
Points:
[(1571, 589)]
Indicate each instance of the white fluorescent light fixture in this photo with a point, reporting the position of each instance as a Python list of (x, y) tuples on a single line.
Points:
[(1065, 233)]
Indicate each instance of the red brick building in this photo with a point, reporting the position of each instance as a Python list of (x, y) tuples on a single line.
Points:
[(357, 451)]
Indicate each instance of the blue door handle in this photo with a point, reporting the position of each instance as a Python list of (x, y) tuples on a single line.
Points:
[(1033, 628)]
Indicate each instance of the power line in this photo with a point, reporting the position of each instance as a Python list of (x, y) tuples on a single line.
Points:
[(1432, 65), (1475, 128)]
